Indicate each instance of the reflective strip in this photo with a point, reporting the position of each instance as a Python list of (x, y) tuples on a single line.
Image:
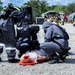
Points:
[(15, 28), (19, 28), (25, 39), (17, 8), (25, 29), (19, 39), (24, 44), (30, 37)]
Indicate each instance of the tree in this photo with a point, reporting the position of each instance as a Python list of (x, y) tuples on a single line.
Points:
[(58, 7), (71, 8), (64, 9), (1, 5), (52, 7), (41, 5), (33, 3)]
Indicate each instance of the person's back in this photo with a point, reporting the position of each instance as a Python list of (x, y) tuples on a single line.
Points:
[(55, 34)]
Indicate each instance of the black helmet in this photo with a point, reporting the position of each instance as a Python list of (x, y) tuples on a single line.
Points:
[(10, 5), (15, 15)]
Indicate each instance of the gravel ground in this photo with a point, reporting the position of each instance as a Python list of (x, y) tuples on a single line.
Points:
[(65, 68)]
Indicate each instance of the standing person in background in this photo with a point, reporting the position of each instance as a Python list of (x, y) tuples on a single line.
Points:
[(65, 18), (62, 20)]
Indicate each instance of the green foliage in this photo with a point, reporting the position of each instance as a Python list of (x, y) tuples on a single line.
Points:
[(1, 8), (64, 9), (43, 6), (58, 8), (71, 8), (33, 3), (52, 7)]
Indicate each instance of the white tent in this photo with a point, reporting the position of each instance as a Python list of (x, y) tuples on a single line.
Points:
[(70, 17), (43, 15)]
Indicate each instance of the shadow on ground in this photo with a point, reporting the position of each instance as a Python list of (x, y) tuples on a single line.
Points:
[(70, 61)]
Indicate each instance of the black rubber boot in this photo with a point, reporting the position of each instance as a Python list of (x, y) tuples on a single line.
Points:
[(55, 59), (1, 50), (0, 59), (11, 55)]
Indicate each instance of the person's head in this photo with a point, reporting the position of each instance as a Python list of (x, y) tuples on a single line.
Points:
[(34, 29), (46, 25), (49, 23), (49, 18), (10, 5)]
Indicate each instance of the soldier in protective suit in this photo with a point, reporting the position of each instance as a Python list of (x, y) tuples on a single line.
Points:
[(55, 45), (28, 40)]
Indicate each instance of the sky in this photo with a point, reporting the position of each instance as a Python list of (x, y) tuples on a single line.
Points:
[(50, 2)]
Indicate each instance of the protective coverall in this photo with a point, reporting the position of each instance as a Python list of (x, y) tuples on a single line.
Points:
[(52, 34)]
